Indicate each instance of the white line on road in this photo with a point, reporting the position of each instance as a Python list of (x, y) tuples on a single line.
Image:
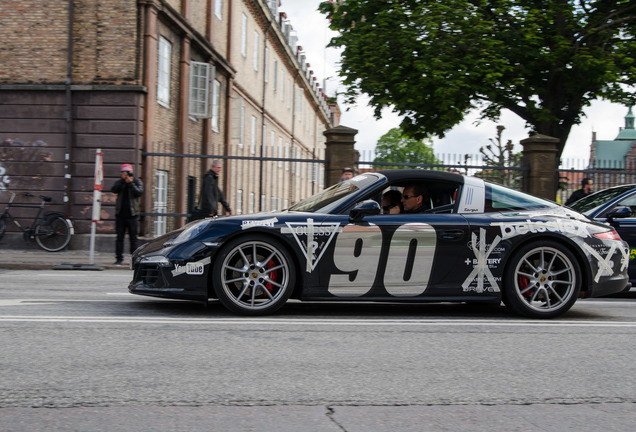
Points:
[(316, 322)]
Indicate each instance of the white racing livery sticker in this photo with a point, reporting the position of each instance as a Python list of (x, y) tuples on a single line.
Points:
[(513, 229), (313, 238), (473, 196), (254, 223), (606, 265), (191, 268), (482, 264)]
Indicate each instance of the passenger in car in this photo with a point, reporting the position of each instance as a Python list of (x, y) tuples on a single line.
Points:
[(391, 202), (415, 199)]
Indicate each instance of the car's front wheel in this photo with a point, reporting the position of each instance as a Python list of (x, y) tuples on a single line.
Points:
[(253, 276), (543, 280)]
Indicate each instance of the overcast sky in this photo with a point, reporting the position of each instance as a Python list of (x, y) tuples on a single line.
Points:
[(313, 35)]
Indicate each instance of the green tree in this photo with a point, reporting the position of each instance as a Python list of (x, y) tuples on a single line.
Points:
[(434, 61), (395, 146)]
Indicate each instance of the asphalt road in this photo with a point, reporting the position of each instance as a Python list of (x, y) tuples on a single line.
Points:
[(80, 353)]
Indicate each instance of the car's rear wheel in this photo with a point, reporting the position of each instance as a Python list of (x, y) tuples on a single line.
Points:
[(253, 276), (543, 280)]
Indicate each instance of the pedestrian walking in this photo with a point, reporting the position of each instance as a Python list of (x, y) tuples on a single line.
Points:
[(211, 195)]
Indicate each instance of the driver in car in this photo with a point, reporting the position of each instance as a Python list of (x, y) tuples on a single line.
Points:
[(415, 199)]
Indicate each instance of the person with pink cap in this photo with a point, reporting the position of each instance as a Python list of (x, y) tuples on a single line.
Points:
[(129, 190)]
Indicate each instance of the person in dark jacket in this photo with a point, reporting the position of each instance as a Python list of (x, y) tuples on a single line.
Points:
[(211, 195), (129, 190), (587, 187)]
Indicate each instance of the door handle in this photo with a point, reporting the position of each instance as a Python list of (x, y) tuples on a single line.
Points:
[(452, 234)]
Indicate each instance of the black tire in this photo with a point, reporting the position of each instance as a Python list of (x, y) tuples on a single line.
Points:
[(542, 280), (253, 275), (3, 225), (54, 236)]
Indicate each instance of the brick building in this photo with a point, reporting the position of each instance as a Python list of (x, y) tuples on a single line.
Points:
[(146, 78)]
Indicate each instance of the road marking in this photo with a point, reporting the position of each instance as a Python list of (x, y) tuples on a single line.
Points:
[(316, 322)]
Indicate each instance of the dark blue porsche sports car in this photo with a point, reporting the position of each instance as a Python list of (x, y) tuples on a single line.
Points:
[(468, 241)]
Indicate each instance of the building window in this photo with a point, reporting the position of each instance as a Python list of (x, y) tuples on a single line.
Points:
[(253, 136), (216, 105), (280, 152), (266, 65), (244, 35), (239, 201), (241, 124), (251, 204), (263, 202), (163, 78), (282, 84), (199, 89), (218, 8), (256, 51), (287, 156), (275, 75), (161, 201)]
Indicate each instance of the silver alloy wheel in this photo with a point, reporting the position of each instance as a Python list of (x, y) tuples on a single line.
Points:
[(255, 275), (545, 279)]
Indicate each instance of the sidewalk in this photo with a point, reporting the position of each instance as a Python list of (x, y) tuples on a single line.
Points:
[(36, 259)]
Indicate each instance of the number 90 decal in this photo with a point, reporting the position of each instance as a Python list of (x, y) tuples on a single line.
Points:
[(408, 265)]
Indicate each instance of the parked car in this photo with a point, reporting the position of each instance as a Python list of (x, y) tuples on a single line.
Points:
[(475, 242), (617, 207)]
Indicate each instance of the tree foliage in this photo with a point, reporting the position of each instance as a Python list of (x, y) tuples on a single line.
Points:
[(433, 61), (395, 146)]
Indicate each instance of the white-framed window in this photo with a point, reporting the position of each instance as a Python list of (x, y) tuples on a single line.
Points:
[(282, 84), (263, 202), (199, 89), (287, 156), (218, 8), (289, 92), (161, 201), (275, 75), (300, 96), (286, 203), (216, 105), (256, 50), (253, 135), (241, 124), (266, 65), (252, 201), (244, 35), (280, 151), (239, 201), (275, 203), (293, 155), (163, 73)]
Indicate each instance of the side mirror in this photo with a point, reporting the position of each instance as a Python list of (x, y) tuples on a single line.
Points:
[(362, 209), (619, 213)]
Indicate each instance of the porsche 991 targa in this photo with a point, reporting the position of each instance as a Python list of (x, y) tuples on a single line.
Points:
[(469, 241)]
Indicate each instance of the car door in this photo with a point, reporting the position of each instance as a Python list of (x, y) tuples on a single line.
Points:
[(626, 228), (395, 256)]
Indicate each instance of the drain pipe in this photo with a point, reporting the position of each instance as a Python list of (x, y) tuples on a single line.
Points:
[(69, 108)]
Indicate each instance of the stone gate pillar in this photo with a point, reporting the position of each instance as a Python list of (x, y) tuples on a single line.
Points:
[(339, 152), (540, 157)]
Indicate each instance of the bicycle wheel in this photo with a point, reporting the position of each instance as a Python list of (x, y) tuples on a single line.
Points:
[(3, 225), (53, 236)]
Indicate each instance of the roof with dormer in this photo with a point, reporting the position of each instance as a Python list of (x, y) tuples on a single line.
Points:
[(612, 153)]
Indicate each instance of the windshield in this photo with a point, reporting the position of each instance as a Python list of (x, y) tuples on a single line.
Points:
[(333, 197), (588, 204)]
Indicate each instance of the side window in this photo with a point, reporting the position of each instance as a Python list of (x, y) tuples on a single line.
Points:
[(163, 72)]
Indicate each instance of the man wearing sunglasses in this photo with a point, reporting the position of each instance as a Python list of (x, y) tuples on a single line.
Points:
[(415, 199)]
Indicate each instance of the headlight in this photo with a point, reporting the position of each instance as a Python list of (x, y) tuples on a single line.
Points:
[(190, 232), (155, 259)]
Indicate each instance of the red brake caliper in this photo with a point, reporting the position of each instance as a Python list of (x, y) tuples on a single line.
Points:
[(272, 275), (523, 284)]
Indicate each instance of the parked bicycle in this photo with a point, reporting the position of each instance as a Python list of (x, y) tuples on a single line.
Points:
[(51, 231)]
